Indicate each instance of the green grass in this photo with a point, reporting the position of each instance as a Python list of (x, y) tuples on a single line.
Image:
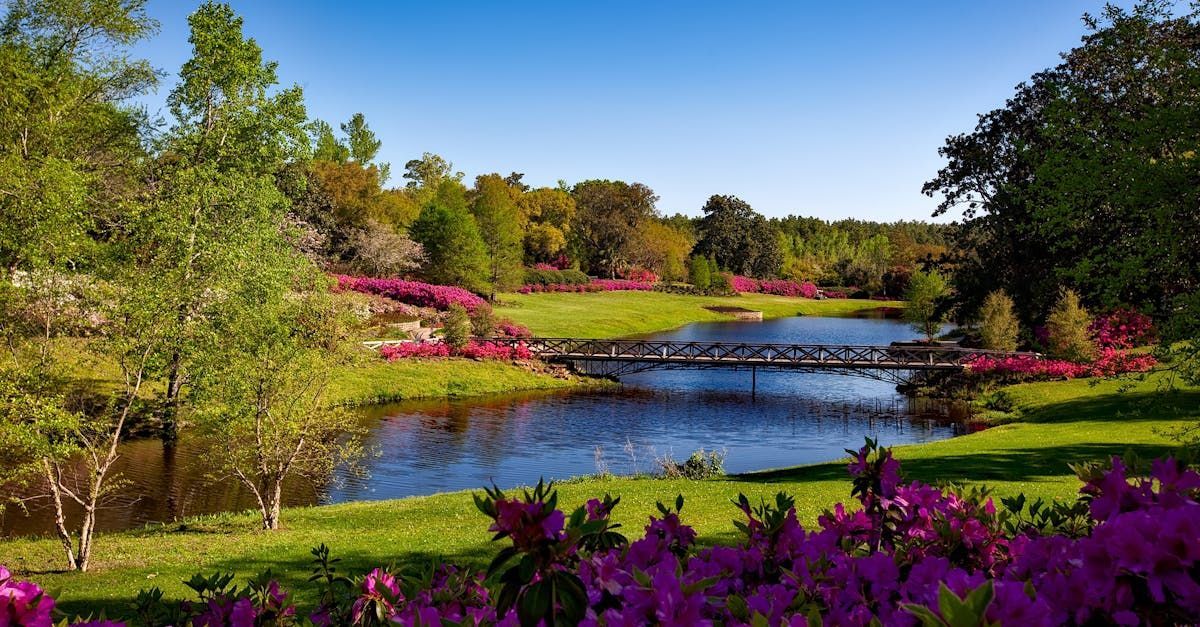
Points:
[(1060, 423), (616, 314), (372, 380)]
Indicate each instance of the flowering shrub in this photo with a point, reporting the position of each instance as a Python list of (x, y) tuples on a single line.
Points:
[(1123, 328), (508, 328), (834, 294), (546, 275), (439, 297), (596, 285), (778, 287), (472, 350), (641, 275), (23, 602), (1110, 362), (908, 554)]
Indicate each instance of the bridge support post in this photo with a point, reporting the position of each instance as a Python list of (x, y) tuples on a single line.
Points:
[(753, 381)]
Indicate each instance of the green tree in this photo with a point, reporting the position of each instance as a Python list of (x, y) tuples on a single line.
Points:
[(607, 219), (1069, 329), (549, 213), (740, 239), (998, 326), (925, 296), (1087, 175), (265, 387), (70, 152), (494, 206), (326, 146), (217, 209), (699, 273), (454, 250)]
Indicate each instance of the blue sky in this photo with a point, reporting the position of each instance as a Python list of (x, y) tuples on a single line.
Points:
[(831, 109)]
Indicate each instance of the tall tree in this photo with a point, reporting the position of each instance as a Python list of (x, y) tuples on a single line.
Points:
[(69, 149), (607, 218), (549, 213), (494, 205), (740, 239), (1087, 175), (217, 208), (361, 140), (326, 145), (454, 250), (925, 306)]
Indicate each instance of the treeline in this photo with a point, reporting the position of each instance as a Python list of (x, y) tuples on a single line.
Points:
[(483, 236), (1087, 179)]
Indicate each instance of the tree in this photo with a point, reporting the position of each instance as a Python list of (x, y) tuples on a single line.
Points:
[(456, 331), (429, 172), (608, 216), (1068, 328), (923, 309), (382, 252), (454, 249), (495, 209), (266, 386), (363, 146), (217, 209), (326, 146), (1087, 175), (69, 151), (662, 249), (699, 273), (549, 213), (998, 326), (740, 239)]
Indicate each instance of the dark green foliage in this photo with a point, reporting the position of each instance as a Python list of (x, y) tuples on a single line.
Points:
[(535, 276), (701, 464), (454, 249), (699, 273), (739, 239), (1088, 175), (608, 216), (494, 205)]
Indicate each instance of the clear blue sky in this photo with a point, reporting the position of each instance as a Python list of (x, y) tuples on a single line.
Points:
[(833, 109)]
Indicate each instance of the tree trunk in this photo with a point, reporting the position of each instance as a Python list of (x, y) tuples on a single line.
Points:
[(271, 503), (60, 519), (86, 530)]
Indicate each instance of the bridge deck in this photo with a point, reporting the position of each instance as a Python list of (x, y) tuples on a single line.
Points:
[(742, 354)]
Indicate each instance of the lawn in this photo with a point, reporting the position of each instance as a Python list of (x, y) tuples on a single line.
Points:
[(618, 314), (1059, 423)]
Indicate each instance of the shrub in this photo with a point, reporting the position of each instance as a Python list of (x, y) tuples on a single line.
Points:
[(596, 285), (457, 330), (778, 287), (483, 321), (700, 465), (1109, 362), (1123, 328), (546, 275), (439, 297), (1068, 329), (508, 328), (997, 323)]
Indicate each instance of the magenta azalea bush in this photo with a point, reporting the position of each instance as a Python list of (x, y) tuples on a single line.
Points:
[(475, 349), (778, 287), (1123, 328), (596, 285), (508, 328), (1126, 553), (439, 297), (1110, 362)]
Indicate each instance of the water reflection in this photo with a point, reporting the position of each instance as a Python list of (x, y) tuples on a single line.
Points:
[(433, 446)]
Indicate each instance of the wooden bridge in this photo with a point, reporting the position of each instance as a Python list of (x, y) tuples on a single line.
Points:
[(613, 358)]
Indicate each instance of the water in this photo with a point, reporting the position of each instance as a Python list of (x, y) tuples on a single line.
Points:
[(435, 446)]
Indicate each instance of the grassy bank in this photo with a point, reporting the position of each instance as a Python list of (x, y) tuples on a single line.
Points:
[(615, 314), (372, 380), (1059, 423)]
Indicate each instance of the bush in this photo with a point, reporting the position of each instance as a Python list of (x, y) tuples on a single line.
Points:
[(720, 284), (552, 276), (1068, 329), (1123, 328), (483, 321), (457, 330), (439, 297), (700, 465), (998, 325)]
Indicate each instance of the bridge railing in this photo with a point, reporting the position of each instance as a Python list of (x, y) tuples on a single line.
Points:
[(747, 353)]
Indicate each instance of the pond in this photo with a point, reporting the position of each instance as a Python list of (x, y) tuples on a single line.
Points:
[(424, 447)]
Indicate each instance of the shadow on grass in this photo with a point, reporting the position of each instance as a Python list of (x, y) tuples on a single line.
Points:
[(1119, 407), (1021, 464), (291, 571)]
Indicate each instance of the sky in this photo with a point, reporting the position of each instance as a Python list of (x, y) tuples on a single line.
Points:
[(832, 109)]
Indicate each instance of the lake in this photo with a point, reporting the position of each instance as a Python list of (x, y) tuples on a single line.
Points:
[(424, 447)]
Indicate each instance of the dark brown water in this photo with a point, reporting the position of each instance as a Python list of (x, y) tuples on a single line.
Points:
[(434, 446)]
